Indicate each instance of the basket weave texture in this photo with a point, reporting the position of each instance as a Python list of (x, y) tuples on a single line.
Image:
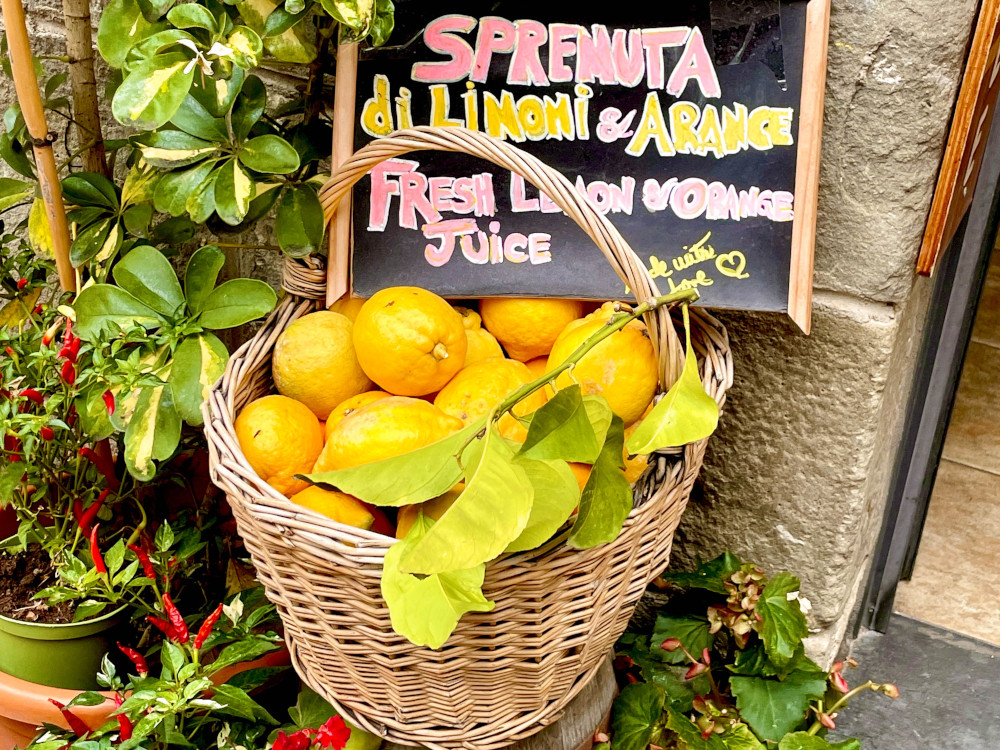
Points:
[(502, 675)]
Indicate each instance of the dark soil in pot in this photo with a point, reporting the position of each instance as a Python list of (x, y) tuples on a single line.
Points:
[(23, 575)]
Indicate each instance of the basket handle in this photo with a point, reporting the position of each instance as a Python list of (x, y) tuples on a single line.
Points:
[(462, 140)]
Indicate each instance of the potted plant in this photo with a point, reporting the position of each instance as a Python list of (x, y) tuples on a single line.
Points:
[(724, 666)]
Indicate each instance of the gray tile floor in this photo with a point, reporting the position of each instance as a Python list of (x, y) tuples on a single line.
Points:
[(948, 684)]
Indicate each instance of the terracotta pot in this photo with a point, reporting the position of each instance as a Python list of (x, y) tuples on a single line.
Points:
[(24, 706)]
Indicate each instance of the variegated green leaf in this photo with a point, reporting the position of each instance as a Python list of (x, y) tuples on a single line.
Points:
[(192, 16), (174, 190), (246, 46), (217, 95), (296, 44), (153, 91), (201, 202), (140, 185), (269, 154), (234, 189), (91, 241), (39, 234), (122, 26), (153, 432), (13, 192), (112, 243), (170, 149), (198, 362)]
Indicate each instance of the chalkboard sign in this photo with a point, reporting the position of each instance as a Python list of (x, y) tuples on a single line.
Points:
[(683, 123)]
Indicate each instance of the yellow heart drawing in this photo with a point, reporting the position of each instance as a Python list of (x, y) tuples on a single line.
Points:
[(732, 264)]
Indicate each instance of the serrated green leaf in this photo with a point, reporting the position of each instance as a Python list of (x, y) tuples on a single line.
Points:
[(153, 432), (556, 496), (607, 497), (806, 741), (100, 304), (425, 610), (635, 715), (299, 222), (491, 512), (269, 154), (693, 633), (783, 625), (773, 708), (199, 361), (147, 275), (153, 90), (234, 189), (201, 275), (122, 25), (709, 576), (236, 302), (685, 414), (562, 430)]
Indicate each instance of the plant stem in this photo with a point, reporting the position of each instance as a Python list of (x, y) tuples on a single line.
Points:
[(83, 84), (816, 726)]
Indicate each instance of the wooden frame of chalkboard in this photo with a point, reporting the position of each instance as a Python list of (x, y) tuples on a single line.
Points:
[(810, 25)]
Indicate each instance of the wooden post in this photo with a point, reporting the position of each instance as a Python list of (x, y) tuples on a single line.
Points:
[(28, 96), (343, 146), (83, 84)]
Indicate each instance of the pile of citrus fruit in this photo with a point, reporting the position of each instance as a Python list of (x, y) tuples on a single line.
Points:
[(370, 379)]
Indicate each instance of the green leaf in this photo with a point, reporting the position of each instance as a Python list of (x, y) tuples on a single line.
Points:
[(425, 610), (491, 512), (773, 708), (89, 189), (199, 361), (311, 711), (10, 479), (247, 47), (671, 678), (200, 277), (561, 429), (689, 733), (172, 658), (236, 302), (281, 20), (192, 16), (345, 12), (635, 715), (200, 204), (739, 737), (171, 149), (237, 703), (383, 23), (94, 239), (13, 192), (147, 275), (709, 576), (806, 741), (217, 95), (269, 154), (753, 660), (406, 479), (94, 413), (174, 231), (100, 304), (114, 557), (556, 496), (153, 432), (783, 626), (234, 189), (295, 44), (607, 497), (174, 190), (242, 651), (299, 222), (136, 219), (685, 414), (122, 26), (249, 107), (693, 632), (194, 119), (153, 91)]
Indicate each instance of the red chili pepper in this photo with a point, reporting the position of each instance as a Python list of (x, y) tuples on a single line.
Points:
[(38, 310), (124, 722), (33, 395), (147, 565), (206, 627), (109, 402), (68, 372), (138, 659), (162, 625), (78, 514), (21, 284), (75, 722), (86, 519), (95, 551), (47, 433), (103, 465), (12, 445), (9, 350), (176, 620)]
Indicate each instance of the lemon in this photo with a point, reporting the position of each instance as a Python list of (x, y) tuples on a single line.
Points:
[(527, 327), (279, 438)]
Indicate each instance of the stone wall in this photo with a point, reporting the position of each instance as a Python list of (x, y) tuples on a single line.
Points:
[(797, 476)]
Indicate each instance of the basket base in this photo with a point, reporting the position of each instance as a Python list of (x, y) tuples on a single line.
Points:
[(586, 715)]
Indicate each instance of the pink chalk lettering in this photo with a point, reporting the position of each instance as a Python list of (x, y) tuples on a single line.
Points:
[(656, 197), (446, 231), (519, 203), (695, 63), (538, 248), (495, 35), (480, 256), (689, 199), (413, 198), (442, 195), (526, 65), (440, 36), (783, 205), (511, 245), (562, 44), (383, 188), (653, 42), (627, 57), (594, 61)]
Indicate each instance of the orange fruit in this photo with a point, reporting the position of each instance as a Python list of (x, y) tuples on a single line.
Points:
[(348, 306), (622, 368), (528, 326), (635, 466), (409, 341), (342, 508), (479, 387), (350, 405), (314, 362), (383, 429), (482, 344), (279, 438), (435, 508), (581, 472)]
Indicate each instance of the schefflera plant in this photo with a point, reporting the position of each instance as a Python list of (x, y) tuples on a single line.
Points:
[(160, 379)]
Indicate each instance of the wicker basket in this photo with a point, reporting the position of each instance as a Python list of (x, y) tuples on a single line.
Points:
[(504, 675)]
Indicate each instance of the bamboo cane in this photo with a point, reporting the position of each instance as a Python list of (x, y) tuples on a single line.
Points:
[(28, 96), (343, 147)]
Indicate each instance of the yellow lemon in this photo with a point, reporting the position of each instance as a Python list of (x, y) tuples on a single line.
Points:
[(482, 344), (409, 341), (348, 306), (350, 405), (479, 387), (383, 429), (279, 438), (314, 362), (528, 326), (622, 368), (345, 509)]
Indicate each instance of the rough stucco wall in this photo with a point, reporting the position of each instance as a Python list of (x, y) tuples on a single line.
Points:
[(797, 476)]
